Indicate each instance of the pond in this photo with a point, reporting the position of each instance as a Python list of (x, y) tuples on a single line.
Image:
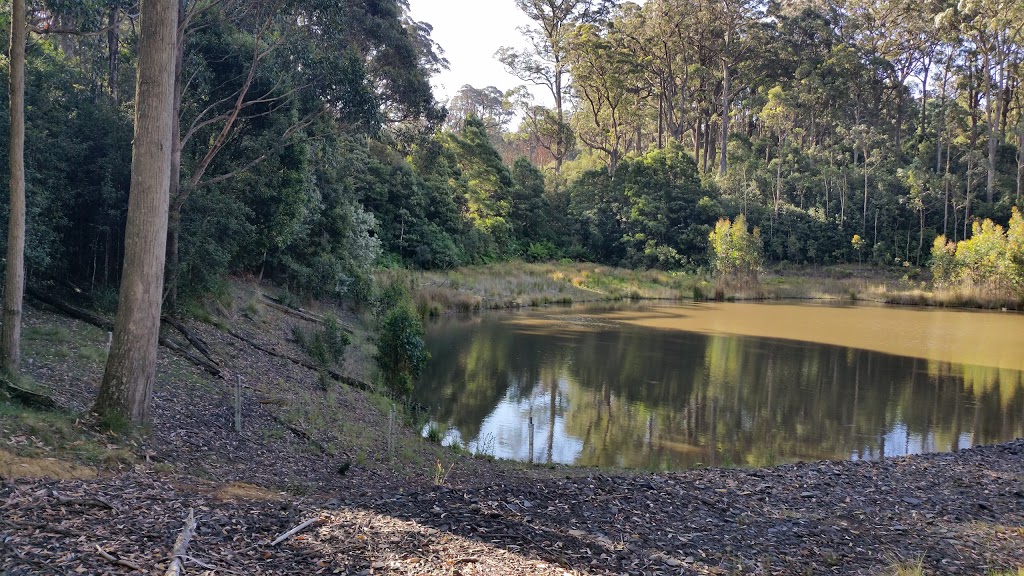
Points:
[(672, 386)]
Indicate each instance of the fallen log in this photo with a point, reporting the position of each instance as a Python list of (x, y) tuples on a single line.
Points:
[(27, 397), (181, 546), (304, 363), (278, 305), (69, 310), (306, 436), (211, 369), (301, 314), (106, 324)]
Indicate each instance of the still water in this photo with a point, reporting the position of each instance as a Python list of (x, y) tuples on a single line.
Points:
[(731, 384)]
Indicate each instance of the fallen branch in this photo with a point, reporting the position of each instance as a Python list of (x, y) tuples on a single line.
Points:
[(212, 369), (295, 531), (27, 397), (276, 304), (181, 546), (299, 432), (119, 561), (69, 310), (106, 324), (304, 363), (192, 338), (97, 501)]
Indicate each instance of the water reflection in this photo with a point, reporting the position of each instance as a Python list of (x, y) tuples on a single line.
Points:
[(608, 388)]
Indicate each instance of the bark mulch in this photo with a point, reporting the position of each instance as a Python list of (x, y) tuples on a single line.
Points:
[(958, 513)]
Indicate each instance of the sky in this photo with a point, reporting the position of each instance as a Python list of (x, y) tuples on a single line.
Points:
[(470, 32)]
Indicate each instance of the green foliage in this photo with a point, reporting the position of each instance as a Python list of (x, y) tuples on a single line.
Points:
[(401, 352), (325, 346), (992, 258), (736, 251)]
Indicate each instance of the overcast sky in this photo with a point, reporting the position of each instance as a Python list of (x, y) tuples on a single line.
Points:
[(471, 31)]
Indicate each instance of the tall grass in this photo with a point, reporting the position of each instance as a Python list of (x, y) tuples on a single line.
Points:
[(515, 284)]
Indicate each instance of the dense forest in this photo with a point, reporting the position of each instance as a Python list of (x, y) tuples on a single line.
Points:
[(310, 149)]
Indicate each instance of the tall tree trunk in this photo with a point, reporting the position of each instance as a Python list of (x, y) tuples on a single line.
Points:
[(920, 230), (560, 143), (127, 386), (723, 164), (14, 286), (945, 203), (175, 193), (1020, 158), (923, 130), (113, 50), (991, 118), (898, 139), (864, 217)]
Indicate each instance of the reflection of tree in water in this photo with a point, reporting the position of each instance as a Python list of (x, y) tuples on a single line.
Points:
[(645, 398)]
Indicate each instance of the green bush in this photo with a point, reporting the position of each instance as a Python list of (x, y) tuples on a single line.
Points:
[(326, 346), (401, 352), (991, 258), (736, 251)]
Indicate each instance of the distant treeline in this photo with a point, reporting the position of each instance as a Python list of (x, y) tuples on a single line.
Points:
[(311, 149)]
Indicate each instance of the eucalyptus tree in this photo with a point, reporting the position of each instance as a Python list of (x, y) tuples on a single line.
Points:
[(545, 62), (14, 282), (994, 30), (53, 17), (489, 104), (734, 17), (127, 387), (606, 83)]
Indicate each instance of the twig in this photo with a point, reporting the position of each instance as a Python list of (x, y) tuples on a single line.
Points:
[(95, 501), (181, 546), (192, 560), (295, 531), (119, 561), (197, 562)]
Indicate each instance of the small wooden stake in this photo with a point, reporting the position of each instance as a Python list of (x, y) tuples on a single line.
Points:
[(391, 433), (530, 433), (238, 404)]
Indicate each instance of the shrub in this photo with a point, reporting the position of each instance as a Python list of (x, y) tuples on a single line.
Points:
[(325, 346), (992, 258), (735, 250), (401, 352)]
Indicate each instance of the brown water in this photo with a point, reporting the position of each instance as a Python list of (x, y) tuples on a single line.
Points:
[(734, 384)]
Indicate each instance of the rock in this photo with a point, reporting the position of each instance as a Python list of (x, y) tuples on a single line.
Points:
[(913, 501), (808, 494)]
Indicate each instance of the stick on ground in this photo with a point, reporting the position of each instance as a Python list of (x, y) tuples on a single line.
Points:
[(294, 531), (181, 546), (119, 561)]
